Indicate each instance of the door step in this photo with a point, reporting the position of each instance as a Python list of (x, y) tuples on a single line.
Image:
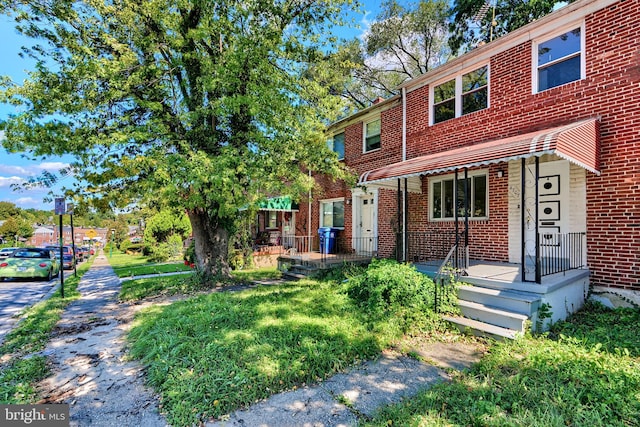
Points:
[(482, 329)]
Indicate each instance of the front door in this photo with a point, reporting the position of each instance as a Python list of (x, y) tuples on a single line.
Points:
[(365, 243), (552, 215)]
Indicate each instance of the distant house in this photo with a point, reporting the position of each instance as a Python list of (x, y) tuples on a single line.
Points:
[(519, 162), (42, 236)]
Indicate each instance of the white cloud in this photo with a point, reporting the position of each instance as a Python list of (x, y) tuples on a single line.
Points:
[(51, 166), (28, 202), (14, 170), (8, 181)]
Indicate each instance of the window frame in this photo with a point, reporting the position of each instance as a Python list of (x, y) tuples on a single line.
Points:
[(364, 135), (548, 37), (450, 177), (321, 211), (330, 144), (459, 94)]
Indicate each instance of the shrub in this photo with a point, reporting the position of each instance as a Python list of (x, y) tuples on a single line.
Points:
[(396, 294), (133, 248), (174, 246), (159, 253)]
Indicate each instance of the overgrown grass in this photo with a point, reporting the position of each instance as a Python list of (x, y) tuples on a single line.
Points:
[(585, 373), (18, 373), (210, 355), (183, 284)]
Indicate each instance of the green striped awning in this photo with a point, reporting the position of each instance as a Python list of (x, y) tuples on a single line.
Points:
[(283, 204)]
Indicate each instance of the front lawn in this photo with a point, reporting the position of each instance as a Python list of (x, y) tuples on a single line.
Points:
[(184, 284), (213, 354), (127, 265)]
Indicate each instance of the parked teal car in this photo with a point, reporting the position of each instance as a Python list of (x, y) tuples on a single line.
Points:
[(30, 263)]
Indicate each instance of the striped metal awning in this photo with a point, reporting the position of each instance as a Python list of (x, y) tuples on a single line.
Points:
[(578, 142)]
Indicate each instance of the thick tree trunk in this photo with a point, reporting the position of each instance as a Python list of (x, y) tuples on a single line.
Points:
[(211, 244)]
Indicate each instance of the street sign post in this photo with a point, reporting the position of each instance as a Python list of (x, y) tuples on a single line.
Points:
[(60, 210)]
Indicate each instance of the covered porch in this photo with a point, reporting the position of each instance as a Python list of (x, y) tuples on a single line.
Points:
[(539, 179), (505, 217)]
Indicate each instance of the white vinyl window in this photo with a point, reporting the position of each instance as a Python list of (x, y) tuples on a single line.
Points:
[(371, 136), (463, 94), (332, 213), (559, 60), (442, 205)]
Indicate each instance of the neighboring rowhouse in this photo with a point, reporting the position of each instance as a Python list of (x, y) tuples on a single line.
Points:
[(541, 128)]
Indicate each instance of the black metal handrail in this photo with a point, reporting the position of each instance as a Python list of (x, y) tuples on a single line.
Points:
[(560, 252), (344, 248)]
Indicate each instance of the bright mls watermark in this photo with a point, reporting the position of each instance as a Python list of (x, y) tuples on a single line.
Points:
[(34, 415)]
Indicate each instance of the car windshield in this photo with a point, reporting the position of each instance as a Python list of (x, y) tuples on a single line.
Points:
[(30, 253)]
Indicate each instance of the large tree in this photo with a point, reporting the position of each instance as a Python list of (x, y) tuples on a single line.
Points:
[(199, 104), (402, 43), (474, 22)]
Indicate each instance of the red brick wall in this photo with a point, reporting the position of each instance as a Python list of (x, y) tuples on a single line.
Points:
[(610, 91)]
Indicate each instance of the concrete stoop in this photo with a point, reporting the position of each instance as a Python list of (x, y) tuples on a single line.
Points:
[(496, 313)]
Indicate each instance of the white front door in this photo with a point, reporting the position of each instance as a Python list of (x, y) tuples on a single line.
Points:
[(553, 194), (365, 243)]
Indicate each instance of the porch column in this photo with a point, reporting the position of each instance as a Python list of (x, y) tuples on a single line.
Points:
[(455, 215), (405, 227), (399, 222)]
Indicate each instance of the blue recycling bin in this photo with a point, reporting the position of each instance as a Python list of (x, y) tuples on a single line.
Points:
[(328, 241)]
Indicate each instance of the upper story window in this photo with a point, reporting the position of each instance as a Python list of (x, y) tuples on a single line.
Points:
[(442, 197), (559, 60), (337, 144), (332, 213), (371, 136), (461, 95)]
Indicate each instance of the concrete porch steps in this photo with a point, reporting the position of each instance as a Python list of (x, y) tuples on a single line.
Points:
[(481, 328), (499, 313)]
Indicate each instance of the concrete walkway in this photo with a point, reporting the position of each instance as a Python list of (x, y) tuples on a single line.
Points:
[(86, 355), (103, 389)]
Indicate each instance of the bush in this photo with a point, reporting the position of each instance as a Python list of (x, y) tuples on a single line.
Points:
[(395, 294), (133, 248), (159, 253)]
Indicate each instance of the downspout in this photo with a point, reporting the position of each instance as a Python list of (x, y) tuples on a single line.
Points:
[(309, 219), (399, 222), (404, 124)]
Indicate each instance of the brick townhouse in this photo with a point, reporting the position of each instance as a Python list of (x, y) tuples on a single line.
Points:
[(521, 157)]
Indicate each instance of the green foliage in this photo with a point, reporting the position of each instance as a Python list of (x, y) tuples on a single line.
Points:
[(159, 253), (161, 226), (404, 41), (8, 209), (16, 227), (198, 107), (18, 378), (509, 15), (395, 294)]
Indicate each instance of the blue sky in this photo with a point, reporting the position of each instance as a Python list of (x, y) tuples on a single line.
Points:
[(14, 168)]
